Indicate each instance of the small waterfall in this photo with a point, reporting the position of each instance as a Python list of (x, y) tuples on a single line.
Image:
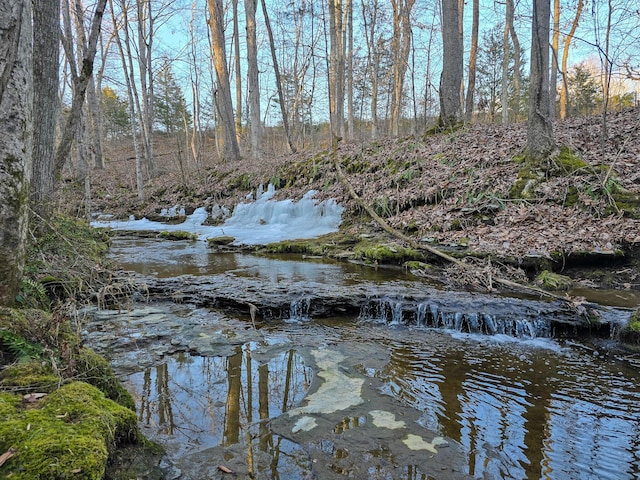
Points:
[(395, 312), (299, 309)]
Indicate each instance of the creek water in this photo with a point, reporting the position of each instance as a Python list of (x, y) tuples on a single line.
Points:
[(356, 397)]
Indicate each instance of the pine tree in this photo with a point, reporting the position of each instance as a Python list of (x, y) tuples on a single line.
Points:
[(170, 105)]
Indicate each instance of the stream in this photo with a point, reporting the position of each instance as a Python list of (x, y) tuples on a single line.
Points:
[(410, 386)]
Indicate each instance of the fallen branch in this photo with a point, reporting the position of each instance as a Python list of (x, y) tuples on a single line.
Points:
[(392, 231)]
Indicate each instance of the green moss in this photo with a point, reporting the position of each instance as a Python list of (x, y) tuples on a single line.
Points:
[(220, 241), (567, 162), (178, 235), (572, 197), (553, 281), (67, 434), (626, 201), (391, 254), (93, 369), (523, 187), (34, 375)]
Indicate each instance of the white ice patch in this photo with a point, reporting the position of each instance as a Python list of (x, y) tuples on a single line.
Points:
[(383, 419), (416, 442), (304, 424), (256, 223), (337, 392)]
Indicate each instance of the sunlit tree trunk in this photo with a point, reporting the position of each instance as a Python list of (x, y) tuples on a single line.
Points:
[(231, 151), (373, 57), (16, 136), (564, 91), (145, 27), (473, 58), (336, 69), (516, 65), (506, 50), (46, 103), (238, 70), (350, 114), (401, 46), (450, 114), (255, 126), (540, 141)]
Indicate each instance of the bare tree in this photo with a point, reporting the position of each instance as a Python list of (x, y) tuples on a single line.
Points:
[(555, 42), (276, 70), (401, 48), (238, 69), (255, 126), (46, 103), (16, 127), (79, 89), (336, 68), (473, 58), (223, 95), (540, 141), (451, 77), (510, 33), (564, 92), (370, 17)]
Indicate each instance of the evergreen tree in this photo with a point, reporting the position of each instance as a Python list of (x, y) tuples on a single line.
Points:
[(170, 105), (116, 114), (585, 93)]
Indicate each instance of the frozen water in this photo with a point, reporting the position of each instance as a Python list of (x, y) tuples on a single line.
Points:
[(256, 223)]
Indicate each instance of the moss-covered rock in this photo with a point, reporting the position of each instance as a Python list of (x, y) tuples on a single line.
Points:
[(177, 235), (67, 434), (221, 241), (391, 254)]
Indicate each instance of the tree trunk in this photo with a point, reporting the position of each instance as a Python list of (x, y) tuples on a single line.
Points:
[(553, 82), (276, 70), (350, 115), (16, 129), (539, 129), (564, 92), (516, 66), (255, 127), (79, 91), (451, 76), (238, 71), (224, 104), (473, 58), (336, 69), (402, 45), (46, 103), (506, 50), (373, 63), (146, 115)]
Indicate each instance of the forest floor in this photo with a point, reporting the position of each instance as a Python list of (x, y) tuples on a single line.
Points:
[(466, 191)]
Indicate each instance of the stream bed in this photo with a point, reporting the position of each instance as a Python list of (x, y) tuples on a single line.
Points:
[(365, 396)]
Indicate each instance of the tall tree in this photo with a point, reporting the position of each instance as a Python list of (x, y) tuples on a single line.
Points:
[(540, 140), (79, 89), (46, 103), (451, 77), (401, 48), (565, 56), (555, 42), (255, 126), (238, 69), (276, 70), (224, 104), (473, 59), (336, 68), (16, 129)]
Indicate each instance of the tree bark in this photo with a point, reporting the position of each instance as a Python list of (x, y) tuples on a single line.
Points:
[(336, 69), (238, 70), (402, 44), (255, 126), (540, 141), (16, 130), (553, 81), (451, 76), (79, 91), (46, 103), (231, 151), (473, 58)]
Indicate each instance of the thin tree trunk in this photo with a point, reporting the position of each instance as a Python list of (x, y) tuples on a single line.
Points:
[(252, 79), (146, 113), (473, 58), (238, 71), (16, 130), (516, 66), (402, 45), (506, 50), (350, 115), (79, 90), (555, 40), (336, 69), (564, 92), (276, 69)]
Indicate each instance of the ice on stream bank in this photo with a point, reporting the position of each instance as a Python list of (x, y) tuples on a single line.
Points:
[(256, 223)]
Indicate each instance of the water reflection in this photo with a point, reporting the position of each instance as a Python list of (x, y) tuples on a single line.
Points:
[(195, 403), (534, 414)]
